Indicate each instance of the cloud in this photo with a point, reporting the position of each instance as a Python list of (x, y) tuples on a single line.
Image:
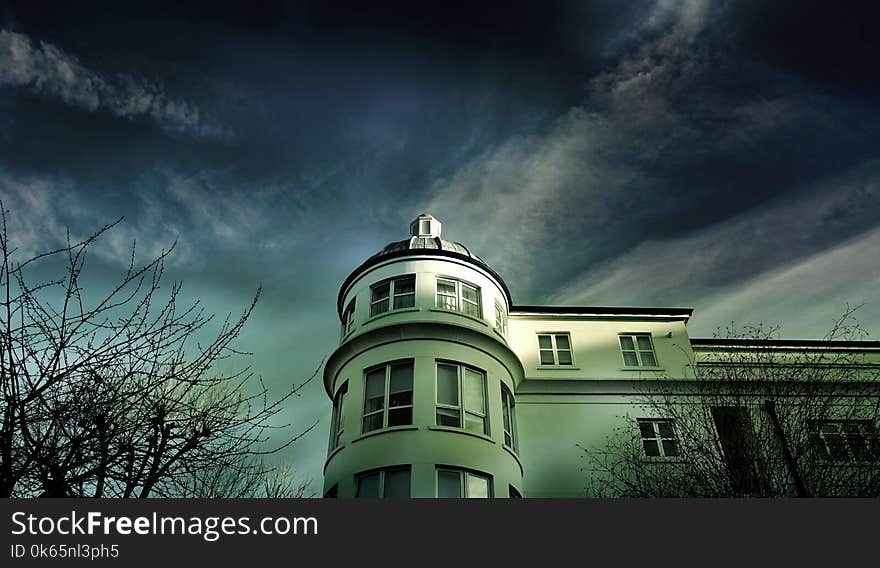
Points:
[(44, 69), (806, 253), (624, 200)]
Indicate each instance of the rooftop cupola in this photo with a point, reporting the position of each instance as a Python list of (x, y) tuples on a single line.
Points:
[(425, 226)]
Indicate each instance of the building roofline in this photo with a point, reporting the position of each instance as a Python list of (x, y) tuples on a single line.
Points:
[(727, 342), (604, 310), (380, 258)]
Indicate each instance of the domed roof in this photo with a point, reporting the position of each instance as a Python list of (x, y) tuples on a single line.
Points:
[(425, 239), (428, 243)]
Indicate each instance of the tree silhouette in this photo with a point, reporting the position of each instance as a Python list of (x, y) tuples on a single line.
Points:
[(120, 393), (756, 416)]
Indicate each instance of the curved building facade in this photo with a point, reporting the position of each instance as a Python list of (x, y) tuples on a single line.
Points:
[(423, 379)]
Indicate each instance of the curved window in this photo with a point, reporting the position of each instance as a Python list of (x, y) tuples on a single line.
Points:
[(337, 424), (459, 296), (508, 408), (461, 397), (348, 318), (393, 294), (387, 483), (388, 396), (454, 483)]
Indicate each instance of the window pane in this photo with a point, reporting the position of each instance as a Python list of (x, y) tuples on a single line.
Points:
[(379, 307), (446, 287), (544, 342), (666, 429), (448, 484), (562, 342), (372, 422), (474, 393), (644, 342), (477, 486), (508, 440), (626, 342), (368, 486), (470, 293), (447, 385), (407, 301), (400, 416), (505, 412), (404, 285), (670, 448), (375, 395), (630, 359), (651, 447), (547, 358), (401, 387), (380, 292), (646, 429), (397, 484), (564, 357), (447, 302), (448, 417), (648, 359), (474, 423), (472, 309)]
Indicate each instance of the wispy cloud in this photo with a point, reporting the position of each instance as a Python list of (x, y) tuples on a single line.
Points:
[(47, 70), (803, 255)]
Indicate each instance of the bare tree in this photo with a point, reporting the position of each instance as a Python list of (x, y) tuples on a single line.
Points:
[(756, 416), (120, 393)]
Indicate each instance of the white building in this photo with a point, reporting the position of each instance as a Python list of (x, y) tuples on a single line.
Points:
[(442, 386)]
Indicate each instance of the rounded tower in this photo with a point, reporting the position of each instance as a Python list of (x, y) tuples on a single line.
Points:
[(423, 380)]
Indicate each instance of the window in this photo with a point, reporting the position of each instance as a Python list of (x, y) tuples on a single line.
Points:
[(461, 398), (500, 319), (459, 483), (555, 349), (508, 405), (847, 440), (658, 437), (391, 483), (388, 396), (393, 294), (337, 424), (638, 351), (348, 318), (459, 296)]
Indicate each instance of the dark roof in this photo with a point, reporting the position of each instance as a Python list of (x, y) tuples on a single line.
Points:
[(611, 310), (416, 246), (721, 341)]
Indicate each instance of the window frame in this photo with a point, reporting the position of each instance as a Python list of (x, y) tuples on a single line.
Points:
[(386, 407), (460, 408), (658, 438), (867, 433), (337, 424), (393, 294), (458, 296), (554, 349), (463, 474), (348, 320), (508, 418), (381, 472), (500, 319), (637, 350)]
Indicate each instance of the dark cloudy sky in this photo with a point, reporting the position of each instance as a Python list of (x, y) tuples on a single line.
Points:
[(720, 155)]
